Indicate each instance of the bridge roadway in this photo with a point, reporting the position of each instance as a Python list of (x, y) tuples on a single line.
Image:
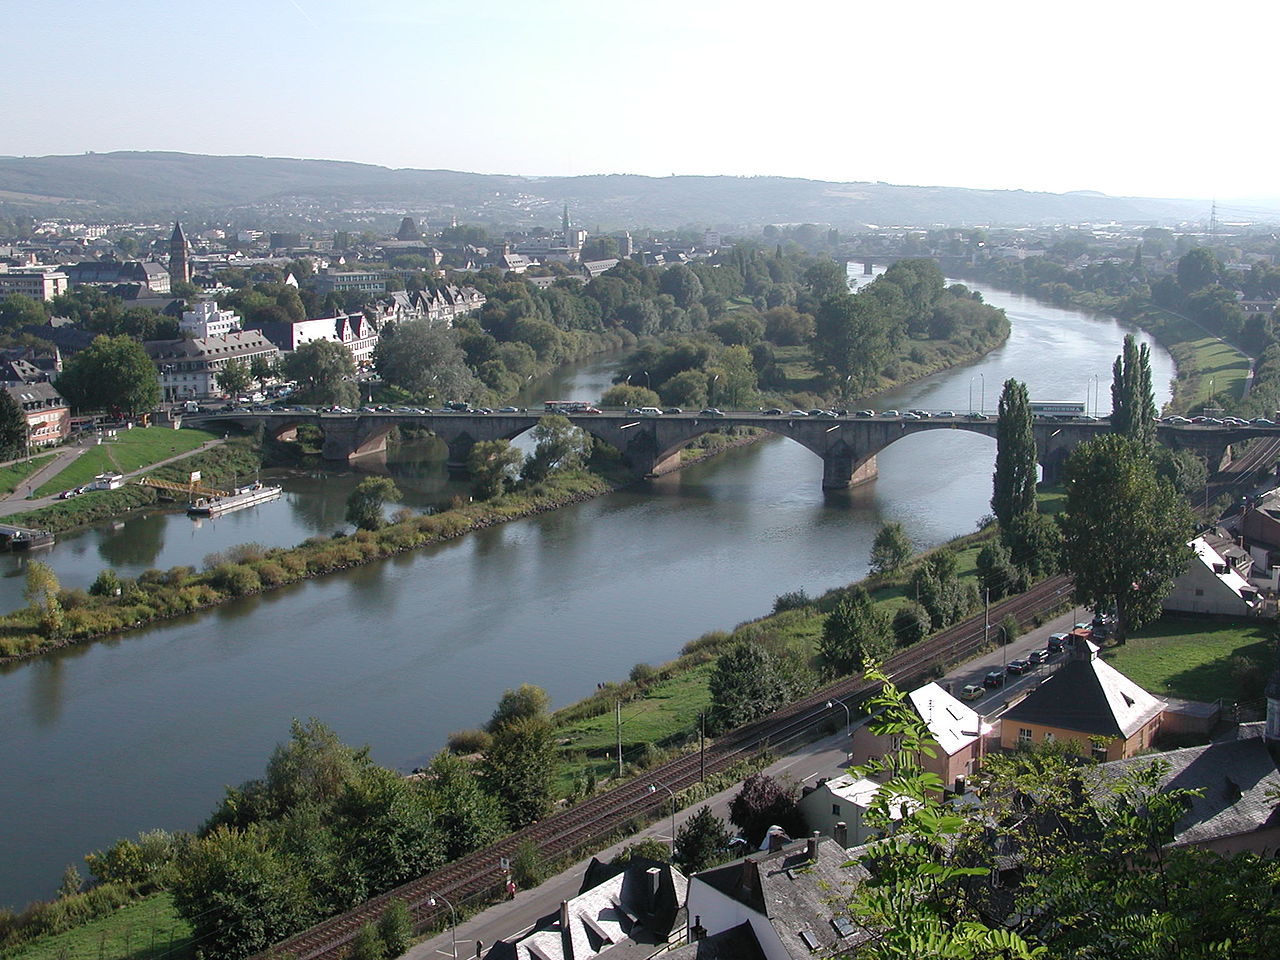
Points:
[(651, 446)]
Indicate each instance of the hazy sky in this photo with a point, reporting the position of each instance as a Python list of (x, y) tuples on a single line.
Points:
[(1130, 98)]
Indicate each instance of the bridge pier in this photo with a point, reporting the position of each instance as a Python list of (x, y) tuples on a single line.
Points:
[(349, 440), (839, 471), (459, 453)]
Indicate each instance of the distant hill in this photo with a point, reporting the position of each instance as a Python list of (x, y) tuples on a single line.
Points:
[(162, 183)]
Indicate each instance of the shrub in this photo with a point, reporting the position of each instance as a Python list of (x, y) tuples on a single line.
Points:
[(271, 573), (643, 674), (469, 741), (395, 926), (107, 584), (794, 600), (527, 865), (246, 553), (650, 849), (235, 579)]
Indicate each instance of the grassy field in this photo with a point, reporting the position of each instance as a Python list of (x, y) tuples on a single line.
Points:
[(15, 473), (129, 450), (1192, 657), (1206, 365), (140, 931), (1051, 498)]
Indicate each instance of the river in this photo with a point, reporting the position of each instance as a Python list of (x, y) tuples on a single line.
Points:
[(104, 740)]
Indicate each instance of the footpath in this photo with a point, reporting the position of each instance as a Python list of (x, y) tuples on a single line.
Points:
[(20, 501), (827, 757)]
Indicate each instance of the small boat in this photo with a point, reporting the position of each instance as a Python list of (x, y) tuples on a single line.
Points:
[(29, 539), (249, 496)]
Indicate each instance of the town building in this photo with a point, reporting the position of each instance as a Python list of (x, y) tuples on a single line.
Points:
[(48, 415), (188, 368), (837, 807), (179, 256), (206, 320), (329, 281), (355, 331), (148, 277), (37, 282), (1215, 582), (1094, 709), (955, 729)]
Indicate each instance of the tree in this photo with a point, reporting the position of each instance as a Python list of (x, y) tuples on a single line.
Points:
[(41, 592), (425, 359), (18, 310), (13, 427), (367, 944), (1198, 268), (851, 341), (936, 585), (112, 373), (467, 818), (745, 685), (560, 446), (395, 927), (492, 464), (1125, 533), (911, 624), (325, 374), (1133, 405), (856, 631), (702, 842), (519, 768), (826, 278), (365, 502), (1014, 481), (997, 574), (891, 549), (525, 702), (627, 395), (762, 803), (262, 369), (234, 378)]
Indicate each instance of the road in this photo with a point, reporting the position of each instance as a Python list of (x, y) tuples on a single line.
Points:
[(821, 758)]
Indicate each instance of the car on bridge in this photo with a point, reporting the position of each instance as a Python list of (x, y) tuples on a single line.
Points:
[(711, 412), (865, 413), (772, 412), (797, 413)]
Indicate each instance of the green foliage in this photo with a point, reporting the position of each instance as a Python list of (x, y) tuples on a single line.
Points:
[(1035, 544), (234, 378), (518, 769), (145, 863), (857, 630), (792, 600), (13, 427), (325, 374), (425, 359), (1014, 481), (492, 465), (1133, 407), (106, 584), (560, 446), (466, 817), (647, 849), (395, 927), (628, 395), (367, 944), (112, 373), (911, 624), (526, 702), (365, 503), (702, 842), (998, 576), (469, 741), (1125, 533), (936, 585), (745, 684), (528, 869), (891, 549)]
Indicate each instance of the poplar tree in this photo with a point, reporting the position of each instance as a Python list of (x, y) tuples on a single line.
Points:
[(1014, 481), (1133, 405)]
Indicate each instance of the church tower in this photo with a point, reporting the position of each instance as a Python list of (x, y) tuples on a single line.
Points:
[(179, 267)]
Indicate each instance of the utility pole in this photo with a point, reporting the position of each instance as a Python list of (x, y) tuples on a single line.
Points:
[(702, 747), (617, 716)]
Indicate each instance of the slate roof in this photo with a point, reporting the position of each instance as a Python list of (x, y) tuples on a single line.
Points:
[(795, 893), (736, 943), (1088, 696), (1234, 776)]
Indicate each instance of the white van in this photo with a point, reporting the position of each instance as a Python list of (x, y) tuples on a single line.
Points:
[(650, 412)]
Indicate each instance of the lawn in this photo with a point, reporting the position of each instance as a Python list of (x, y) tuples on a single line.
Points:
[(1052, 498), (1191, 657), (128, 450), (140, 931), (15, 473)]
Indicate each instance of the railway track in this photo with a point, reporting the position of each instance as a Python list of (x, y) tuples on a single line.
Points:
[(480, 873)]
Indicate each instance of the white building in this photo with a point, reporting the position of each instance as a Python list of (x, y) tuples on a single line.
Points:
[(1211, 584), (206, 320), (843, 800), (37, 282), (188, 369)]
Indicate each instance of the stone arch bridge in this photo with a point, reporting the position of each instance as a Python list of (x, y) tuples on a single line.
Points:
[(651, 446)]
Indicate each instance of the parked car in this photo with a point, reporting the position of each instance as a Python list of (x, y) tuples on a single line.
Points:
[(1019, 666), (994, 678), (1038, 657), (1057, 643), (972, 691)]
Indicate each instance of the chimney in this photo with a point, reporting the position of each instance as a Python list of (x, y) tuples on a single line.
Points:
[(842, 835), (750, 878), (775, 841), (564, 916), (811, 848), (697, 931), (652, 881)]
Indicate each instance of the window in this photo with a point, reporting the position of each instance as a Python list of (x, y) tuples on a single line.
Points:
[(835, 809), (1199, 592), (1099, 752), (1024, 735), (1048, 736)]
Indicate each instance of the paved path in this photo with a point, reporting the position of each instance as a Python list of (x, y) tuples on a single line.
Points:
[(822, 758), (17, 502)]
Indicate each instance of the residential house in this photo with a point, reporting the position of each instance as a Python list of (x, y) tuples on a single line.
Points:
[(956, 730), (1215, 581), (784, 899), (188, 368), (1088, 704), (48, 415), (837, 807), (620, 911)]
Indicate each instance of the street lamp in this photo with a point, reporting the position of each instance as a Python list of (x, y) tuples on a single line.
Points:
[(848, 717), (653, 788), (1097, 398), (453, 921)]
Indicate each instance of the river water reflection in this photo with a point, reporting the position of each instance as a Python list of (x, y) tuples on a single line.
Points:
[(144, 731)]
